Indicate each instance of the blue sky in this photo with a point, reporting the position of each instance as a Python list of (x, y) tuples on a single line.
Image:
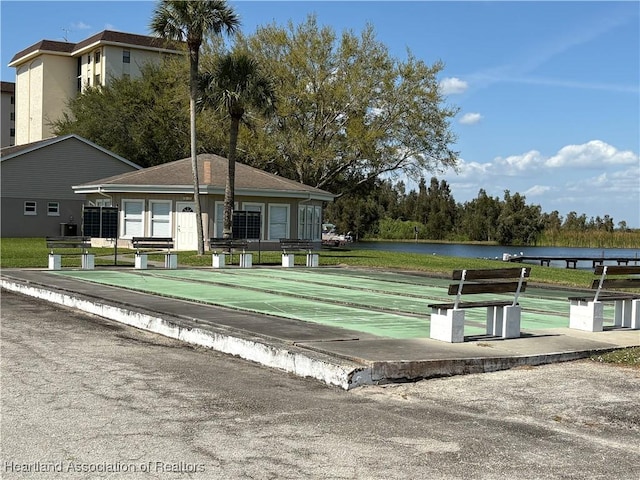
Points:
[(549, 92)]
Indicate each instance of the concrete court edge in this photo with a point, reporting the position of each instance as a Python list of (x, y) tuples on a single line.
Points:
[(293, 360), (303, 362)]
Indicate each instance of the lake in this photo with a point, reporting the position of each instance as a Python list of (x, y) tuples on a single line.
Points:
[(496, 252)]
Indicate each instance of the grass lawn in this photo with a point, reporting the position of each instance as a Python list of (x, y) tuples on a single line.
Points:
[(33, 253)]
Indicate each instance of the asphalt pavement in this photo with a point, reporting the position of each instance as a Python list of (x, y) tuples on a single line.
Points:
[(84, 397)]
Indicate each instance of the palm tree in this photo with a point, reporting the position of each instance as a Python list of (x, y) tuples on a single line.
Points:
[(189, 21), (235, 86)]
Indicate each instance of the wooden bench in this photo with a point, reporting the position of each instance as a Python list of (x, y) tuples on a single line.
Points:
[(149, 245), (79, 243), (292, 246), (226, 246), (587, 312), (503, 315)]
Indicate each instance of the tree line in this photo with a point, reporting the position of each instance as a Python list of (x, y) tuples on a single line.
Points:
[(387, 211)]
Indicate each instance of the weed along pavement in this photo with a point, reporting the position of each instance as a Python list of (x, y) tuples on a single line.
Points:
[(85, 397)]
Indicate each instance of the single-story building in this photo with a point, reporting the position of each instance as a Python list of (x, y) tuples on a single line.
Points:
[(158, 202), (36, 196)]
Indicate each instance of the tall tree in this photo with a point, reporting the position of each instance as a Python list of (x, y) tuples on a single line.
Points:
[(518, 223), (440, 212), (191, 21), (144, 119), (236, 86), (349, 111), (479, 217)]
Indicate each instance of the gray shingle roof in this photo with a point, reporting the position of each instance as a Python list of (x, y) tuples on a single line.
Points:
[(6, 153), (212, 172)]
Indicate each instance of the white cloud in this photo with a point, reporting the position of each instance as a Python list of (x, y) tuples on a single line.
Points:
[(80, 26), (537, 190), (469, 170), (452, 85), (591, 154), (621, 181), (515, 164), (565, 181), (595, 153), (470, 118)]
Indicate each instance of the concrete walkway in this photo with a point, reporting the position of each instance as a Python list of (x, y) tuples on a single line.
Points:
[(385, 338)]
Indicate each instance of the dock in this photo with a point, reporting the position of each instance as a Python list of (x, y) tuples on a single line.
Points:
[(571, 262)]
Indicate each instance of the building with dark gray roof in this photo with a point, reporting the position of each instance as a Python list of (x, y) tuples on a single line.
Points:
[(158, 201)]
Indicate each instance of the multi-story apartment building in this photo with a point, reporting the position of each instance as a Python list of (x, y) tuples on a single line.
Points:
[(50, 73), (8, 114)]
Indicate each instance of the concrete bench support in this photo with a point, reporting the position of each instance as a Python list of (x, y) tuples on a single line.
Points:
[(246, 260), (170, 261), (218, 260), (88, 261), (313, 260), (511, 321), (55, 261), (141, 260), (627, 313), (586, 315), (447, 325), (288, 260), (635, 314), (504, 321)]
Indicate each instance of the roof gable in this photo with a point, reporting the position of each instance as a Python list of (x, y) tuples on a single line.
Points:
[(8, 153)]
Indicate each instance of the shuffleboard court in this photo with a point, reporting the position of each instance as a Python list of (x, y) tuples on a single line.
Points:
[(392, 305)]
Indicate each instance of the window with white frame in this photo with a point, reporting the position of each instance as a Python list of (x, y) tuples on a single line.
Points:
[(160, 211), (309, 222), (132, 218), (30, 208), (53, 209), (278, 221), (102, 202)]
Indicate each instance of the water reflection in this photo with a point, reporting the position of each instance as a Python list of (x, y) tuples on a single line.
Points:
[(496, 252)]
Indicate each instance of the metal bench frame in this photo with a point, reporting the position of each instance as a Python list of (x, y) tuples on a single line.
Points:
[(145, 246), (291, 246), (586, 313), (503, 316), (226, 246), (87, 260)]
